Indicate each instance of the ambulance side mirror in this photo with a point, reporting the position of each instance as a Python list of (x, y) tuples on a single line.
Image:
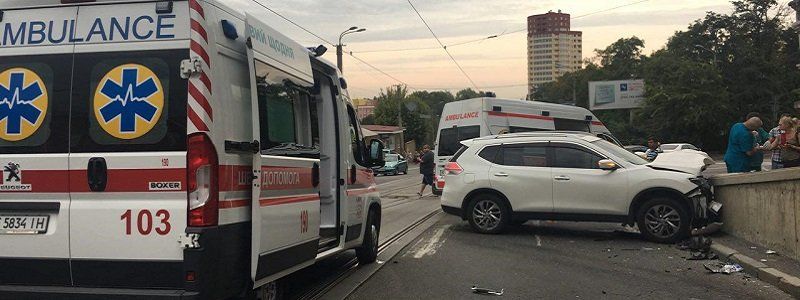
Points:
[(375, 154)]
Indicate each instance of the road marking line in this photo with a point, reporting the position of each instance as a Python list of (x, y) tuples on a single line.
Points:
[(433, 243), (538, 241)]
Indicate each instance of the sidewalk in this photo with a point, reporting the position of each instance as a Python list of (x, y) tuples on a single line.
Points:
[(780, 271)]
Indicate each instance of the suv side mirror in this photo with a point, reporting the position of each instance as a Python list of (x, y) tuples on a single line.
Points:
[(376, 155), (608, 165)]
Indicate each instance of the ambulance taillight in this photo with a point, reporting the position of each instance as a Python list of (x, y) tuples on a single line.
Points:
[(203, 171)]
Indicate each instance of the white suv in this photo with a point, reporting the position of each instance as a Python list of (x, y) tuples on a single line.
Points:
[(495, 181)]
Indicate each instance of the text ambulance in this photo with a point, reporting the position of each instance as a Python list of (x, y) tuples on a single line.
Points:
[(171, 149), (471, 118)]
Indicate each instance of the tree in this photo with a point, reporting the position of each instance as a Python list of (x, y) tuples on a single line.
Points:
[(396, 97), (468, 93), (368, 120)]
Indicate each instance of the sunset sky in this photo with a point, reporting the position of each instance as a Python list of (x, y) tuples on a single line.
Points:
[(498, 64)]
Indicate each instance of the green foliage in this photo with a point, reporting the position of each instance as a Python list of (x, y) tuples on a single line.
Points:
[(369, 120), (705, 79), (396, 97)]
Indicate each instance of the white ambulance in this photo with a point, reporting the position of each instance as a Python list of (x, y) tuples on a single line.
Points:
[(171, 149), (471, 118)]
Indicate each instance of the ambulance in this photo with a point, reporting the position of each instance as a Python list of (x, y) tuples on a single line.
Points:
[(472, 118), (172, 150)]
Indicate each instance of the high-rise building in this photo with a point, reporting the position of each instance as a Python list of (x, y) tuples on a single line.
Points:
[(553, 49)]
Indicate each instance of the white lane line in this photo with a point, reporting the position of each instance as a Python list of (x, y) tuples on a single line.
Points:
[(433, 243), (538, 241)]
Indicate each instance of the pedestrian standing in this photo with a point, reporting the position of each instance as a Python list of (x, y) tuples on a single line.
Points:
[(776, 139), (653, 149), (426, 167), (790, 148), (740, 150), (760, 136)]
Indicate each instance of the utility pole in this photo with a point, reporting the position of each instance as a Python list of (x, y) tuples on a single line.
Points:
[(339, 50)]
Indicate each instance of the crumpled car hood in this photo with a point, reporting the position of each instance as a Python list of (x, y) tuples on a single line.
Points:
[(682, 161)]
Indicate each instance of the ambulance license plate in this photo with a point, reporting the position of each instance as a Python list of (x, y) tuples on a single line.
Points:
[(24, 224)]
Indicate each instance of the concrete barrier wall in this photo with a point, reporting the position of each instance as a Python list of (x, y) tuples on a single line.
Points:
[(762, 208)]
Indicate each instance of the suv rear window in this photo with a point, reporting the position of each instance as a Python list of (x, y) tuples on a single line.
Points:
[(490, 153), (34, 103), (129, 101), (449, 138)]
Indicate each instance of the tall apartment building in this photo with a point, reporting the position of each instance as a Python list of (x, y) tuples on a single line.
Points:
[(553, 49)]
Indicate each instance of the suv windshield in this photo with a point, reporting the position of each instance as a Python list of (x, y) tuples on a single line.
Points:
[(392, 157), (620, 152)]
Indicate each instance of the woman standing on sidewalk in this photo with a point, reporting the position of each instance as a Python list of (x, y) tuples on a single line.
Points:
[(788, 143)]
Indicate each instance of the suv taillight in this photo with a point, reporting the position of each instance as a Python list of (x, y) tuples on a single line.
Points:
[(203, 170), (453, 168)]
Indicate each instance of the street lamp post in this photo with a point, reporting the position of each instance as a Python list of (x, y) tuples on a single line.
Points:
[(353, 29), (700, 47)]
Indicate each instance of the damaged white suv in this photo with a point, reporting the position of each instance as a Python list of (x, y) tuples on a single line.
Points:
[(496, 181)]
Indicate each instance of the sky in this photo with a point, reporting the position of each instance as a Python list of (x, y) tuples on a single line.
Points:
[(498, 64)]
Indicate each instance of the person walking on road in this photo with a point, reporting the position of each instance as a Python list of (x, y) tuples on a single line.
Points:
[(426, 167), (741, 148)]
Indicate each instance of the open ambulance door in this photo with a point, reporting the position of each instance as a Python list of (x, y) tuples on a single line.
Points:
[(285, 192)]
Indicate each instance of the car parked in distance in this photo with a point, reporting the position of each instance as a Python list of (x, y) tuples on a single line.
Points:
[(675, 147), (497, 181), (395, 164)]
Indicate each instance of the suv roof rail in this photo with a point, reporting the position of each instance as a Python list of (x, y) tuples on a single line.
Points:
[(534, 134)]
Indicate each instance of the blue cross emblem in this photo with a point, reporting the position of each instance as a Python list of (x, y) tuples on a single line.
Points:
[(129, 100), (16, 103)]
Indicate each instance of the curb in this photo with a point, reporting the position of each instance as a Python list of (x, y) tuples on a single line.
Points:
[(785, 282)]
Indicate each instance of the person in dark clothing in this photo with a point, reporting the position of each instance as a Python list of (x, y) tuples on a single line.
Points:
[(426, 167)]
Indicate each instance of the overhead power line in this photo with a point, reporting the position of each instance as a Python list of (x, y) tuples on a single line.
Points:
[(295, 24), (380, 71), (443, 46), (330, 43), (504, 33)]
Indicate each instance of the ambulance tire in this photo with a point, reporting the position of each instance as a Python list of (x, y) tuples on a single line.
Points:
[(270, 291), (367, 253)]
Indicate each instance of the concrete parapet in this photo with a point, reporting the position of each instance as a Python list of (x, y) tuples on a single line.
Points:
[(762, 208)]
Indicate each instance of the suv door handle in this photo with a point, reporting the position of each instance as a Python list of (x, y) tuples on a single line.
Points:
[(501, 174), (561, 178)]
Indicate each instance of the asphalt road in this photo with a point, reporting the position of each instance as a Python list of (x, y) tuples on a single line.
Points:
[(551, 260), (401, 207)]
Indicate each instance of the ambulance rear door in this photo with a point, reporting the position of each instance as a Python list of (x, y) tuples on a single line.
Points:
[(35, 79), (286, 164), (128, 146)]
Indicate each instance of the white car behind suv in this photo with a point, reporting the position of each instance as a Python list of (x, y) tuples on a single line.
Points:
[(496, 181)]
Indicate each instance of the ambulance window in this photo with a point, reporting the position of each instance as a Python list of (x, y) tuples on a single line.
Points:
[(287, 116), (34, 104), (129, 102), (449, 138), (355, 135), (571, 125)]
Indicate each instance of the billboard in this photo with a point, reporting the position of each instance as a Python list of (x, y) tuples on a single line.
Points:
[(619, 94)]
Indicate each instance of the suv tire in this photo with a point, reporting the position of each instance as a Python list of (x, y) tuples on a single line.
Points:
[(663, 220), (367, 253), (488, 213)]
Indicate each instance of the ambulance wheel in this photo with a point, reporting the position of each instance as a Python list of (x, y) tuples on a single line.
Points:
[(367, 253), (270, 291)]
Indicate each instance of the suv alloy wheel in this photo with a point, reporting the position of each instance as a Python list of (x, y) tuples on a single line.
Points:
[(663, 220), (488, 214)]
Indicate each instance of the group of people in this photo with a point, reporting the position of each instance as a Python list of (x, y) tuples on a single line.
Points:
[(748, 142)]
